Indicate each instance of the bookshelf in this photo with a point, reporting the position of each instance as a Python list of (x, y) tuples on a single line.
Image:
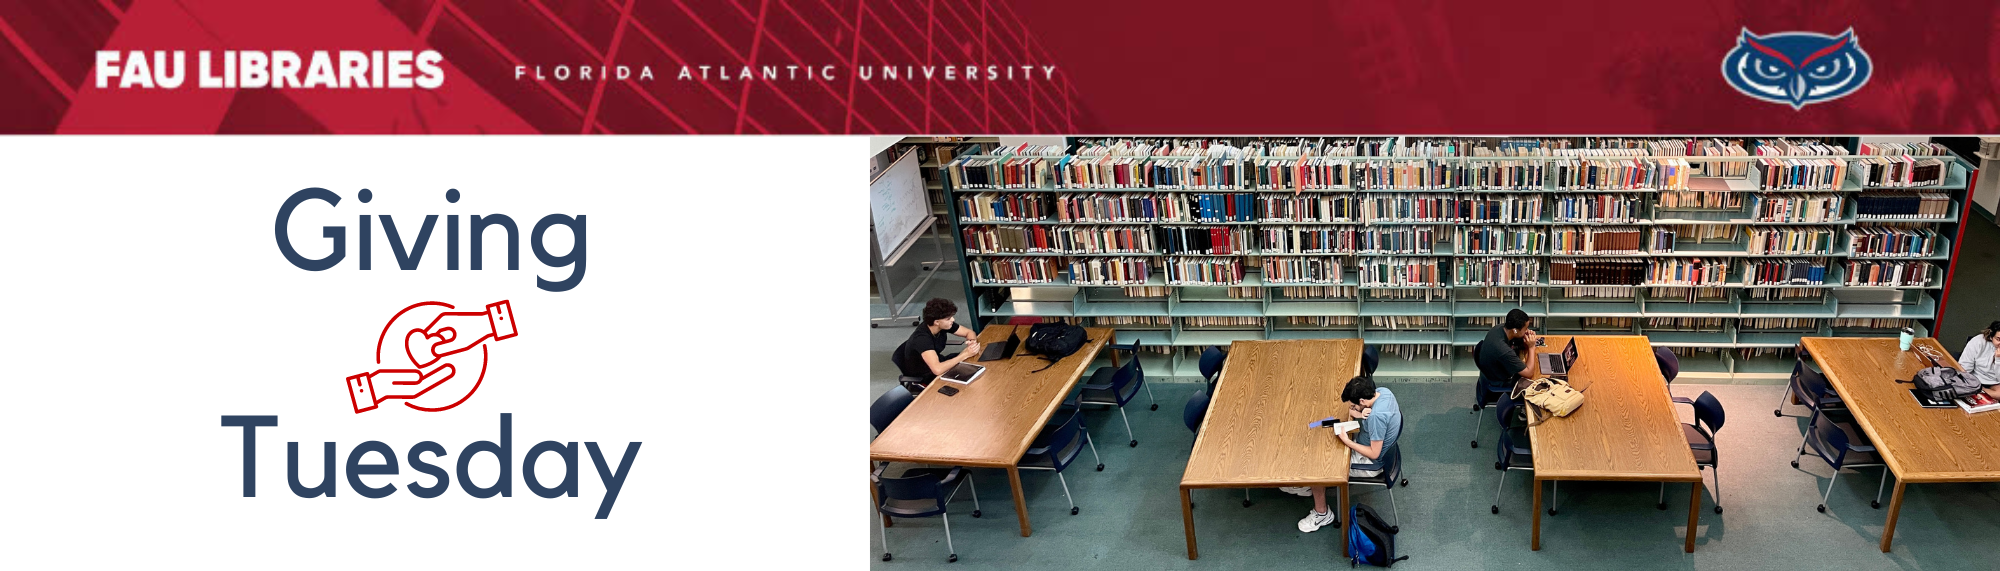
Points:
[(1312, 256)]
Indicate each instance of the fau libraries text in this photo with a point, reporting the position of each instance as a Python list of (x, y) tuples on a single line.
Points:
[(275, 69)]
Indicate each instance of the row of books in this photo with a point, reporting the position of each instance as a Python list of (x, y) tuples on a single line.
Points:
[(1318, 292), (1500, 208), (1778, 323), (1570, 271), (1695, 272), (1798, 174), (1130, 320), (1888, 273), (1408, 321), (1015, 270), (1313, 270), (1233, 207), (1410, 208), (1622, 174), (1057, 239), (1497, 271), (1872, 241), (1398, 240), (1004, 206), (1213, 240), (1121, 207), (1701, 200), (1308, 207), (992, 172), (1871, 322), (1404, 272), (1797, 207), (1785, 272), (1500, 240), (1222, 322), (1899, 171), (1767, 240), (1586, 241), (1930, 205), (1323, 320), (1793, 294), (1145, 291), (1204, 271), (1309, 239), (1615, 208), (1685, 323), (1110, 271), (1922, 149)]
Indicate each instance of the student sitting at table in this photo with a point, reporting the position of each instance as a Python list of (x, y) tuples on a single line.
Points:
[(1381, 424), (1506, 349), (1981, 359), (921, 358)]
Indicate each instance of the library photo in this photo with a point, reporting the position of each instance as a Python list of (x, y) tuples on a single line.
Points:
[(1180, 352)]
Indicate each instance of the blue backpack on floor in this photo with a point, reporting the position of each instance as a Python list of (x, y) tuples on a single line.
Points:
[(1369, 539)]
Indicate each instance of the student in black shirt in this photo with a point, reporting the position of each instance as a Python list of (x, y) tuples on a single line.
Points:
[(1504, 348), (921, 358)]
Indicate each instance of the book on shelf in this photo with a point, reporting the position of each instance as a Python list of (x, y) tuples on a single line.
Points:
[(1691, 272), (1214, 207), (1404, 272), (1497, 271), (1308, 239), (1599, 208), (1409, 208), (1923, 205), (1888, 273), (1785, 272), (1787, 240), (1499, 208), (1120, 207), (1004, 207), (1489, 240), (1302, 270), (1397, 240), (1210, 240), (1797, 207), (1583, 272), (1204, 271), (1012, 270), (1104, 271), (1887, 242), (1308, 208), (1583, 240)]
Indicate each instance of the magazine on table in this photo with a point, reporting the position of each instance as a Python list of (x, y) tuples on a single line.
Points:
[(1978, 402)]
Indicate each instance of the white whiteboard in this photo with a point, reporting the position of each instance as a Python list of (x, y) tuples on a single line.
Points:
[(898, 205)]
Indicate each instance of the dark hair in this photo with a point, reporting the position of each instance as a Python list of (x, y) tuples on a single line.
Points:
[(1358, 388), (1991, 328), (937, 308), (1517, 319)]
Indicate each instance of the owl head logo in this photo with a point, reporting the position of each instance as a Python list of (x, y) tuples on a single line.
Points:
[(1796, 68)]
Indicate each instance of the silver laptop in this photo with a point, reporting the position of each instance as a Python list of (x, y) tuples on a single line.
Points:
[(1558, 364)]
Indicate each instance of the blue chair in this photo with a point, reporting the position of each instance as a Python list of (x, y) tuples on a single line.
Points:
[(1483, 395), (1211, 366), (1708, 419), (1514, 453), (1195, 411), (1371, 355), (1392, 473), (1056, 447), (889, 406), (1809, 387), (1670, 367), (1834, 442), (922, 493), (1115, 387)]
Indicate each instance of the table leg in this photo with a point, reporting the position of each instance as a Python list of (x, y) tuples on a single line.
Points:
[(1345, 511), (1187, 519), (875, 500), (1535, 537), (1895, 507), (1020, 504), (1694, 515)]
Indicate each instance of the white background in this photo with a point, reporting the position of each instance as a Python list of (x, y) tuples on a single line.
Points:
[(719, 322)]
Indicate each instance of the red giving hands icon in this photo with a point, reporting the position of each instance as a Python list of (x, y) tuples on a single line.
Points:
[(448, 334)]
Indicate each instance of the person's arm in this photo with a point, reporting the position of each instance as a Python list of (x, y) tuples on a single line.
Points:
[(1372, 450), (966, 332), (940, 367), (1969, 358)]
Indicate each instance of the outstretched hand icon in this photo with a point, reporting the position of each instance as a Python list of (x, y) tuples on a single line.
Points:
[(433, 351)]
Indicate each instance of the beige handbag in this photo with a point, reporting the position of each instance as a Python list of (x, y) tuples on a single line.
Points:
[(1554, 396)]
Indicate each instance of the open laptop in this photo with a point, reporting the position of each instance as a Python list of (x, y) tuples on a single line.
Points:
[(1004, 350), (1558, 364)]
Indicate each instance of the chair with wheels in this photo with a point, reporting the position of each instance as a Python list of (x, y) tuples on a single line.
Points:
[(1116, 387), (1391, 476), (1514, 452), (922, 492), (1483, 393), (1056, 447), (1708, 419), (1842, 447), (1809, 387), (889, 406)]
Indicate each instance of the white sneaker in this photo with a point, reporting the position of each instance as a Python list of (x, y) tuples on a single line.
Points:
[(1307, 492), (1315, 520)]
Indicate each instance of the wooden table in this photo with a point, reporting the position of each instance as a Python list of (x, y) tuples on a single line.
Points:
[(1626, 429), (1920, 445), (1255, 434), (991, 422)]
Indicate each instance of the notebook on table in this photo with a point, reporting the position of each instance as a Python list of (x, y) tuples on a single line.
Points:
[(1558, 364), (1002, 350), (963, 373)]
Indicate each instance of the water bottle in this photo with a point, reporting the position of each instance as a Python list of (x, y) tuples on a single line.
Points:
[(1909, 336)]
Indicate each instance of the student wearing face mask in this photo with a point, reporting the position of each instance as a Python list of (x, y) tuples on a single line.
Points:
[(1979, 359), (1381, 421), (921, 358)]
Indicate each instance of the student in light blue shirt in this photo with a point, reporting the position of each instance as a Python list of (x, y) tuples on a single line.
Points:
[(1381, 424)]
